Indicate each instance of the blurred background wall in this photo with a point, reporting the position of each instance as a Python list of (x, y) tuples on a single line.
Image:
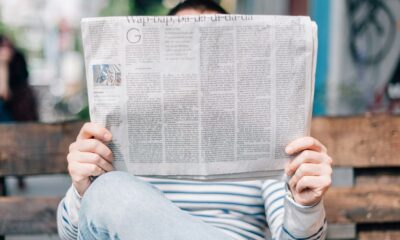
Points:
[(359, 48)]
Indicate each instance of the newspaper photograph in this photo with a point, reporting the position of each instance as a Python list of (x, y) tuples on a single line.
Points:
[(206, 97)]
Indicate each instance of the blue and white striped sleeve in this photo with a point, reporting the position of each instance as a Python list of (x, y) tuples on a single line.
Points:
[(67, 215), (288, 219)]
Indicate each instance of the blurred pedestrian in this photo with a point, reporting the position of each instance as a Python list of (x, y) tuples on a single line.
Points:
[(17, 100)]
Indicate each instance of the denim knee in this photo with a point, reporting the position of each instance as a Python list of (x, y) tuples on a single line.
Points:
[(105, 191), (115, 191), (108, 185)]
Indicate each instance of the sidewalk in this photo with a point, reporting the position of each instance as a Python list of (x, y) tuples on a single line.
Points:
[(55, 185)]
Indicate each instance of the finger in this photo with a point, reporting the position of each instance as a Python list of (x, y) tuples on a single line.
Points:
[(306, 169), (305, 143), (310, 169), (93, 146), (81, 171), (313, 182), (307, 156), (89, 170), (94, 130), (91, 158)]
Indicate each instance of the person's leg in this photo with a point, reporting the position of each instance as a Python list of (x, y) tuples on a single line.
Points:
[(119, 206)]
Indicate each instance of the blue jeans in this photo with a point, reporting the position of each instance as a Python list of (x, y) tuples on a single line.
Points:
[(119, 206)]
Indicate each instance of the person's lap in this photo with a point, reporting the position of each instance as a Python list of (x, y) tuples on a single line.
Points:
[(119, 206)]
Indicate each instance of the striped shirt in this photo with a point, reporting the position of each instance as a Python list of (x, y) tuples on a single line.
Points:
[(243, 210)]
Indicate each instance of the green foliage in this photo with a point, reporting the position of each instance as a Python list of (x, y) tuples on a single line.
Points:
[(84, 114), (117, 8), (7, 31), (148, 7)]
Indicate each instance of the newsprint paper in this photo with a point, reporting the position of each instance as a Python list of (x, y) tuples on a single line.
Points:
[(206, 97)]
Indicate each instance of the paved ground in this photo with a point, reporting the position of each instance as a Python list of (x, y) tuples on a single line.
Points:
[(55, 185), (37, 237)]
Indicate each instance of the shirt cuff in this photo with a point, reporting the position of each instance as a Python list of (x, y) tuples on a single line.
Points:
[(77, 195), (302, 221), (73, 202), (291, 198)]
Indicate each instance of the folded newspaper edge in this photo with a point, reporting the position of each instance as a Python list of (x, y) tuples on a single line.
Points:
[(208, 97)]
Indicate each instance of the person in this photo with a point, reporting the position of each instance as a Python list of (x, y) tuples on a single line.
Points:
[(118, 205), (17, 99)]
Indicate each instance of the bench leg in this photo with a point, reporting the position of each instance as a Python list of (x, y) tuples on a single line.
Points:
[(3, 186), (3, 192)]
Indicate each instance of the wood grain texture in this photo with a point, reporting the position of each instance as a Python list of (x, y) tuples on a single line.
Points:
[(379, 235), (34, 148), (377, 176), (363, 204), (371, 141), (28, 215)]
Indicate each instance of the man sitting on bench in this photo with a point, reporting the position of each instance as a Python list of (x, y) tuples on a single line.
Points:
[(118, 205)]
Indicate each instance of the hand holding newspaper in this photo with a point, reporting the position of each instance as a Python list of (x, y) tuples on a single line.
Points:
[(206, 97)]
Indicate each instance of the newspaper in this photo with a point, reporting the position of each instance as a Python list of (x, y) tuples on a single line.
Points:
[(206, 97)]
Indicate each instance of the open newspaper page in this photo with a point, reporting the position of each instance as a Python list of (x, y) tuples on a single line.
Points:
[(206, 97)]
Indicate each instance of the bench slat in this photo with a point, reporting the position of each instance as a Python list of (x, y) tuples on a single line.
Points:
[(34, 148), (363, 204), (360, 141), (21, 215), (374, 235)]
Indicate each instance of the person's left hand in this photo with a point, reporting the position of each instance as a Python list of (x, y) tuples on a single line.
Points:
[(310, 170)]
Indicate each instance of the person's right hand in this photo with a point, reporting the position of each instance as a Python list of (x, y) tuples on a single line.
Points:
[(89, 156)]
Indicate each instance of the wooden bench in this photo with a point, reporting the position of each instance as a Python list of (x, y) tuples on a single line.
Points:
[(369, 149), (32, 149), (364, 202)]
